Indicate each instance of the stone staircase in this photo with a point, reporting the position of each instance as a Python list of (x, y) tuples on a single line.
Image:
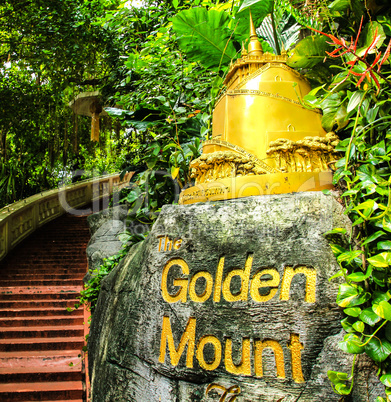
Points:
[(40, 341)]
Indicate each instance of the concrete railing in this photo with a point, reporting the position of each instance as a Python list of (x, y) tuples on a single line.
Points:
[(19, 220)]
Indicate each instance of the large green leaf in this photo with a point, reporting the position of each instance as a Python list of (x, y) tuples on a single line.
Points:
[(369, 317), (266, 4), (241, 22), (353, 311), (350, 296), (386, 380), (309, 52), (351, 344), (381, 260), (287, 34), (204, 36), (339, 5), (378, 349), (371, 31), (382, 309), (258, 8)]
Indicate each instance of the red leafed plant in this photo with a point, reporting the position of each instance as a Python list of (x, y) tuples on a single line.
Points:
[(343, 47)]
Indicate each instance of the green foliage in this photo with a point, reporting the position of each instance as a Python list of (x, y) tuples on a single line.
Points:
[(355, 102), (281, 27), (89, 295), (49, 52), (56, 39), (165, 101), (309, 52), (199, 28), (214, 36)]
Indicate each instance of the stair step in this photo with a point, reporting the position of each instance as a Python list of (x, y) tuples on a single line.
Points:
[(41, 375), (48, 355), (47, 253), (44, 267), (63, 400), (24, 344), (39, 290), (42, 295), (15, 304), (42, 276), (37, 312), (33, 321), (61, 365), (70, 261), (41, 331), (41, 391), (40, 282)]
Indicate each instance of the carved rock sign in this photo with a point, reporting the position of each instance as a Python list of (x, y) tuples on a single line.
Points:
[(226, 301)]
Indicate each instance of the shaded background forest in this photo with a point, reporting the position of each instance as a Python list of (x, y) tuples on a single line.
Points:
[(52, 51)]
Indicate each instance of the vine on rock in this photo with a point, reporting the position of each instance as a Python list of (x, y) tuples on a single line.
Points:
[(360, 93)]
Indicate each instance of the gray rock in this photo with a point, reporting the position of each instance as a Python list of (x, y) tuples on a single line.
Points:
[(106, 227), (366, 385), (95, 221), (162, 334)]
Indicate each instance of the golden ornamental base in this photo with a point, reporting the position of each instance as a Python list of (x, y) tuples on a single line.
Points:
[(246, 186)]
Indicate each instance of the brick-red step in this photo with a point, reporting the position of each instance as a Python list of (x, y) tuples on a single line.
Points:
[(12, 304), (41, 331), (24, 376), (41, 391), (43, 276), (39, 282), (24, 344), (29, 312)]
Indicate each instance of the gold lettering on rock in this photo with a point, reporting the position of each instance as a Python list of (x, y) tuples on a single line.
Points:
[(161, 238), (310, 287), (181, 294), (177, 244), (219, 278), (188, 338), (217, 352), (244, 275), (257, 283), (296, 347), (208, 287), (244, 367), (232, 392), (166, 244), (223, 286), (278, 356)]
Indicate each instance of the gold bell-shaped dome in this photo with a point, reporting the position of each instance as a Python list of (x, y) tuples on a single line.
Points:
[(264, 141)]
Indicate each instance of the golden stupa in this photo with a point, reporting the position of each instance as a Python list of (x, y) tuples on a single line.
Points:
[(264, 141)]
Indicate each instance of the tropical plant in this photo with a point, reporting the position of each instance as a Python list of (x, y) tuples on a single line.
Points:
[(355, 100), (49, 52), (89, 295)]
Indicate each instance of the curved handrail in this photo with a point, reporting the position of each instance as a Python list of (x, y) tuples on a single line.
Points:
[(20, 219)]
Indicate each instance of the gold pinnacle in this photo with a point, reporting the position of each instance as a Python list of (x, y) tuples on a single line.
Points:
[(255, 47), (244, 50)]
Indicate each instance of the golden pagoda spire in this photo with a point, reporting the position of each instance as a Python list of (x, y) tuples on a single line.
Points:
[(244, 50), (255, 47)]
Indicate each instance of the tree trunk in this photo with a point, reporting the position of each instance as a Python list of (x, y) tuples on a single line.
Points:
[(3, 143)]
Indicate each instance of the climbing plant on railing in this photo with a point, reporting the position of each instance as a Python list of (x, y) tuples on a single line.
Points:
[(358, 102)]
